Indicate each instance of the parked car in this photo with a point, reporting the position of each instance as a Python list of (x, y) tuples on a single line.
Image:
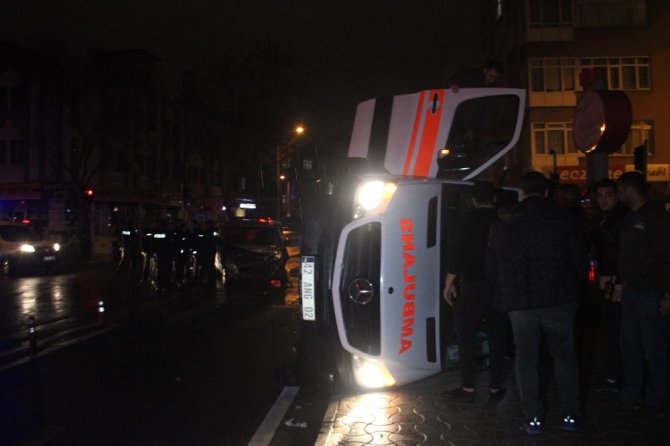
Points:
[(22, 249), (253, 253)]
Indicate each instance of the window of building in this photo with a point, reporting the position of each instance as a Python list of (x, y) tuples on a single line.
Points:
[(553, 136), (557, 136), (17, 152), (552, 75), (611, 13), (560, 74), (306, 164), (499, 9), (640, 131), (543, 13), (622, 73)]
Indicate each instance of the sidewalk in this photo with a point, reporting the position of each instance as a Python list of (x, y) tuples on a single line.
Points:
[(417, 414)]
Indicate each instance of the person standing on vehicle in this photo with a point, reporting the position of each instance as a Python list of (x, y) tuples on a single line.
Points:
[(486, 76), (468, 290), (537, 259), (644, 266)]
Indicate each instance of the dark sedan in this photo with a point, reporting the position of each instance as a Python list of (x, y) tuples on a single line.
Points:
[(253, 253)]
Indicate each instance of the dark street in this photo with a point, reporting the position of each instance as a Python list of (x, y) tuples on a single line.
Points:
[(196, 367)]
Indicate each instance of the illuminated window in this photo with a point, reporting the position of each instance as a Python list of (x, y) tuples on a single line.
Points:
[(640, 131), (553, 136), (550, 75), (622, 73)]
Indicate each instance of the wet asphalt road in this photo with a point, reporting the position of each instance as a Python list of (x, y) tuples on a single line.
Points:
[(200, 366)]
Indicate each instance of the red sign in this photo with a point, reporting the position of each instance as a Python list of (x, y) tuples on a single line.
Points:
[(577, 174)]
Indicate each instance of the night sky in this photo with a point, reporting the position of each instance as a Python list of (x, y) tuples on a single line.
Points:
[(347, 50)]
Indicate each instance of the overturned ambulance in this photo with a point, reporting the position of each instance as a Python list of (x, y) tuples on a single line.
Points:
[(373, 243)]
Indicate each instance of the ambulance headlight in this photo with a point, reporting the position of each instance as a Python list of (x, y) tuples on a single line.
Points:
[(372, 197), (371, 373)]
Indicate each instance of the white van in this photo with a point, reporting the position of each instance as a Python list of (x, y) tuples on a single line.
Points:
[(376, 268)]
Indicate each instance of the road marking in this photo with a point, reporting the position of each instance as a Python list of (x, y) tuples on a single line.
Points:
[(53, 344), (267, 428)]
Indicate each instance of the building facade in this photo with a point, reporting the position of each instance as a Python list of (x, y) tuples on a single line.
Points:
[(93, 140), (548, 46)]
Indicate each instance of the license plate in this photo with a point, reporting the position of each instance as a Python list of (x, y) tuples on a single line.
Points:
[(307, 288), (49, 258)]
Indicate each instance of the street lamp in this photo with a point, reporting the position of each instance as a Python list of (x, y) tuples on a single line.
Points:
[(299, 130)]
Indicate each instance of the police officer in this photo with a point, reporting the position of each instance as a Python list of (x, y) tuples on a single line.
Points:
[(147, 250), (130, 249), (182, 252), (163, 251), (209, 253)]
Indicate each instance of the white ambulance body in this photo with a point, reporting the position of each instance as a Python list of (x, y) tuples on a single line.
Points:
[(387, 273)]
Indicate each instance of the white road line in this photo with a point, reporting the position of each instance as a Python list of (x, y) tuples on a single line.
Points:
[(54, 346), (267, 428)]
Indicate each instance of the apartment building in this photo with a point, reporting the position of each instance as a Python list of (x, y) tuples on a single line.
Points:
[(548, 45), (100, 123)]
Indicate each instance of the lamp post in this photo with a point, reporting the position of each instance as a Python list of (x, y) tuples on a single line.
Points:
[(297, 131)]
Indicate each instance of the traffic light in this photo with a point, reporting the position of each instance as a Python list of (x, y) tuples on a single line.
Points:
[(640, 158)]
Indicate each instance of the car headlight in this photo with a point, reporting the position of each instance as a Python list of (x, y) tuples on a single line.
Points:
[(372, 197), (27, 248), (371, 373), (56, 246)]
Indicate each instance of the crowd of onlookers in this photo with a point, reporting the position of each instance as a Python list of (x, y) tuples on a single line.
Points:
[(570, 284)]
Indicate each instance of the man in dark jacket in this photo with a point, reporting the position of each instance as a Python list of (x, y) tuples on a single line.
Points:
[(473, 301), (644, 263), (605, 251), (537, 258)]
